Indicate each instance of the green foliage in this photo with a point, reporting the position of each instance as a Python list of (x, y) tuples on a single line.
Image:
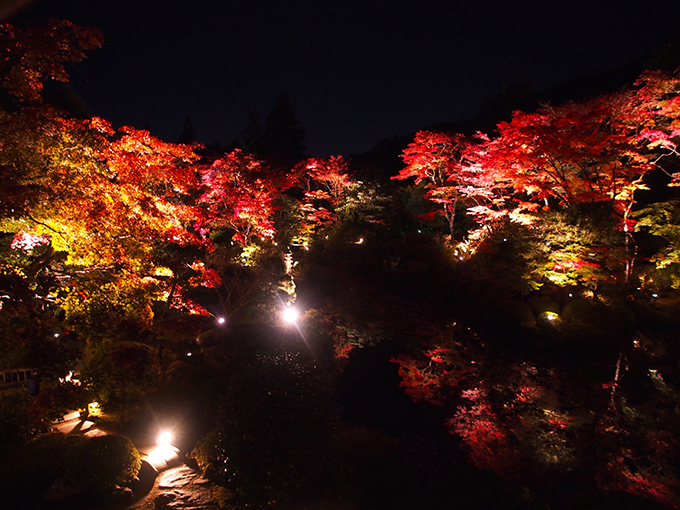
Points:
[(414, 200), (16, 426), (99, 309), (288, 218), (368, 203), (118, 374), (593, 323), (102, 462), (247, 291), (54, 467), (662, 219), (56, 399), (574, 246)]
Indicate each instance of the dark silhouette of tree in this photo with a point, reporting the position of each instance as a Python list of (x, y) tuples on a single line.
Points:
[(283, 139), (514, 96), (188, 134), (251, 136)]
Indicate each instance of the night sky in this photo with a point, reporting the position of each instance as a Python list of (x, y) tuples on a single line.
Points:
[(355, 71)]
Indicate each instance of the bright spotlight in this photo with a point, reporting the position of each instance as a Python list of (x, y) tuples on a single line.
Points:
[(221, 320), (164, 438), (290, 315), (551, 317)]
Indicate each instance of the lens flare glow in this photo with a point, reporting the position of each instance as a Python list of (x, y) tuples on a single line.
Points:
[(290, 315), (164, 438)]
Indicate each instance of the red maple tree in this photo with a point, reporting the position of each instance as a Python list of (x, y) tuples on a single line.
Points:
[(325, 183), (239, 196)]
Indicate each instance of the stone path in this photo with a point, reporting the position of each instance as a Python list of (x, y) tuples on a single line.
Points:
[(180, 487)]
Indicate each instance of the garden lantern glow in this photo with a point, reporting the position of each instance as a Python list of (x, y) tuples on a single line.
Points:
[(551, 318)]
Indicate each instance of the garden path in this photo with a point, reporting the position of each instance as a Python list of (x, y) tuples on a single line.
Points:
[(179, 488)]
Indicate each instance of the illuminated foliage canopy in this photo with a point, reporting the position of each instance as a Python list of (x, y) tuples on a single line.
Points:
[(593, 152), (120, 237), (437, 159), (88, 205), (580, 152), (239, 196), (36, 54), (325, 183)]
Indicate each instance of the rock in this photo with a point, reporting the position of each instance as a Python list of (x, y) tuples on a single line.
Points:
[(163, 499), (144, 480), (176, 478), (163, 457), (179, 488), (122, 494)]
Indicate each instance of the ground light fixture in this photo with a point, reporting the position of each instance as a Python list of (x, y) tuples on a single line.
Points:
[(290, 315), (164, 438), (164, 454)]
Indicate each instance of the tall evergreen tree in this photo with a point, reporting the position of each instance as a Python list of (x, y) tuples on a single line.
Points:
[(283, 139), (251, 136), (188, 134)]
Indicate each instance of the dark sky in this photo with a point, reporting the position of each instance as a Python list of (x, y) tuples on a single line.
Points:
[(355, 71)]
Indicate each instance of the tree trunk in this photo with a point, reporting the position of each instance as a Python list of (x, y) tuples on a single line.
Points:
[(450, 213)]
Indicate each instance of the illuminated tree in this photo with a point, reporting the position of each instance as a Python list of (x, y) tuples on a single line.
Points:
[(663, 219), (107, 200), (578, 245), (34, 55), (658, 109), (325, 184), (436, 159), (452, 168), (120, 373), (89, 207), (578, 153), (238, 197), (28, 129)]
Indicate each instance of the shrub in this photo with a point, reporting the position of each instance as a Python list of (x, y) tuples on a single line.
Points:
[(276, 432), (102, 462), (56, 467)]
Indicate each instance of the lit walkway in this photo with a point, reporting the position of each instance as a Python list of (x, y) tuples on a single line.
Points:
[(71, 423)]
